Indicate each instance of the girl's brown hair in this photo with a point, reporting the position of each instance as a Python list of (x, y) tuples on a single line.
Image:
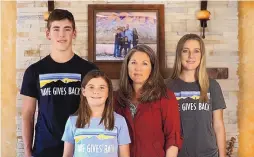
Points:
[(153, 89), (84, 112), (201, 73)]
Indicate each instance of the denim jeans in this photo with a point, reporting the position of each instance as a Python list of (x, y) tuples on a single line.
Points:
[(117, 50)]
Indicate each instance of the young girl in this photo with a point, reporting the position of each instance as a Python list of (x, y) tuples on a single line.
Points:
[(96, 130), (200, 99)]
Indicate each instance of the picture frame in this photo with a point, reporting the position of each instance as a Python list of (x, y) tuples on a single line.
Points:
[(108, 21)]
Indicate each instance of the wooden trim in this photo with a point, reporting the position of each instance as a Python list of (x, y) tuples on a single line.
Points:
[(51, 5), (8, 78), (112, 68)]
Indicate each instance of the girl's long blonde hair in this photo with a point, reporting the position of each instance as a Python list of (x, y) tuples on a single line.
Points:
[(201, 73)]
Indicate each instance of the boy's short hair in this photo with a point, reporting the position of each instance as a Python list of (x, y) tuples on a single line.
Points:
[(60, 14)]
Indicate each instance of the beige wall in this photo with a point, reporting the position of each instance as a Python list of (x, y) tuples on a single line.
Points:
[(221, 43), (246, 75), (8, 78), (221, 40)]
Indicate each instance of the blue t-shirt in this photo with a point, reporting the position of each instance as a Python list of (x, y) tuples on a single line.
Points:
[(129, 34), (95, 140)]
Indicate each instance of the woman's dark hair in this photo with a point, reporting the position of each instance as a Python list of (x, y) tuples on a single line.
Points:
[(153, 89)]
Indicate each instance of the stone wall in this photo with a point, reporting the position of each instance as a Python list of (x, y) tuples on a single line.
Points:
[(221, 42)]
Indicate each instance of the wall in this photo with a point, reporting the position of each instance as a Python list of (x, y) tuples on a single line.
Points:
[(221, 43), (246, 85)]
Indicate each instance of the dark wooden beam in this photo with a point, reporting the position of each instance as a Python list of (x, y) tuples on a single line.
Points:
[(51, 5), (218, 73), (203, 23), (203, 5)]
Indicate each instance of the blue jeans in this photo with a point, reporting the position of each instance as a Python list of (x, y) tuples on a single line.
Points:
[(129, 45), (117, 50)]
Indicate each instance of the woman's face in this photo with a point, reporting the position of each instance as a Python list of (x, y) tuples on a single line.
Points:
[(191, 55), (139, 67)]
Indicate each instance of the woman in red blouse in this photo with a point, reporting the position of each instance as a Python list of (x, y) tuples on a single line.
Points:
[(151, 111)]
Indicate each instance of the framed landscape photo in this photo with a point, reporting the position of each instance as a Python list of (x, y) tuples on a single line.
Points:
[(113, 29)]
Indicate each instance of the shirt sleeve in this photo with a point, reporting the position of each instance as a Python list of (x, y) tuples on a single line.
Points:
[(29, 86), (123, 135), (68, 135), (217, 99), (171, 122)]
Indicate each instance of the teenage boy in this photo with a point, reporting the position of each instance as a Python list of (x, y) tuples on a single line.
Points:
[(55, 83)]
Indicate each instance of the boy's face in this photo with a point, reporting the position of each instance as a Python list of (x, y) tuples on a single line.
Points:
[(61, 34)]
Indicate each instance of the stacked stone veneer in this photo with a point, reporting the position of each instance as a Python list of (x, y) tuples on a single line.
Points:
[(221, 42)]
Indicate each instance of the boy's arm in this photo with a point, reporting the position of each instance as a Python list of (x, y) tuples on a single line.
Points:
[(28, 111)]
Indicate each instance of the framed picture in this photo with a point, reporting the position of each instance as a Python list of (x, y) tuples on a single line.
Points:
[(113, 29)]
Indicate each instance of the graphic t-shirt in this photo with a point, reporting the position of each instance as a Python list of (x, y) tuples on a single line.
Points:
[(196, 117), (56, 86), (94, 140)]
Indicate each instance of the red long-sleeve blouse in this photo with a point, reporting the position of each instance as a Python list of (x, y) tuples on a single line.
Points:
[(155, 127)]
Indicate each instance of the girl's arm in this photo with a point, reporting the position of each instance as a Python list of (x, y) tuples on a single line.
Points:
[(123, 139), (68, 149), (219, 129), (124, 150), (68, 138)]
